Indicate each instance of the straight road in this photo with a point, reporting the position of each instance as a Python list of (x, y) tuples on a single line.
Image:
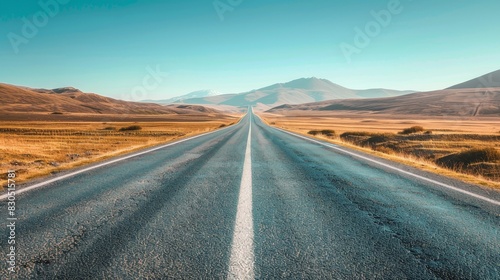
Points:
[(253, 202)]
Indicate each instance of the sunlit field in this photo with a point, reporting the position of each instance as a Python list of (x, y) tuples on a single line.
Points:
[(37, 149), (468, 149)]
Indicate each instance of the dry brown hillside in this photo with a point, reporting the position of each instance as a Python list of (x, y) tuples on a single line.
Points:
[(450, 102), (15, 99)]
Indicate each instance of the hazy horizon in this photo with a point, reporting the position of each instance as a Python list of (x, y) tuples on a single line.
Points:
[(112, 47)]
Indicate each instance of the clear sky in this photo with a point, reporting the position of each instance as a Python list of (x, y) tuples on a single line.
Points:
[(110, 47)]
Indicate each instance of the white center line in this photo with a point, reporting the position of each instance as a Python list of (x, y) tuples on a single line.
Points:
[(242, 255)]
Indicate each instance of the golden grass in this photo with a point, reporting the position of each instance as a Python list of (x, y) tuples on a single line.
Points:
[(378, 123), (36, 149), (447, 138)]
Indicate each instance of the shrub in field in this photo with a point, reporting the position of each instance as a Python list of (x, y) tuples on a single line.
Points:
[(109, 128), (466, 158), (411, 130), (57, 113), (222, 125), (131, 128), (325, 132), (328, 132), (314, 132), (355, 133), (377, 139)]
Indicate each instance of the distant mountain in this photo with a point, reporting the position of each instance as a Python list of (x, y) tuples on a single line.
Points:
[(450, 102), (490, 80), (294, 92), (191, 95), (55, 90), (16, 99)]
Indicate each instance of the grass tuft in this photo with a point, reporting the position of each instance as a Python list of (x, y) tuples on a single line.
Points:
[(131, 128), (469, 157), (325, 132), (377, 139), (314, 132), (328, 132), (355, 133), (411, 130)]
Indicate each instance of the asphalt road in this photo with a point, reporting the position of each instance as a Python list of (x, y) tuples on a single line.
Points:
[(250, 201)]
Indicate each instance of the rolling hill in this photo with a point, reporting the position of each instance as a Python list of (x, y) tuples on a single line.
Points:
[(294, 92), (449, 102), (16, 99), (474, 98)]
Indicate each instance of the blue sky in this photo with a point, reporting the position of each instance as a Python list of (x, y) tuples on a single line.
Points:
[(110, 47)]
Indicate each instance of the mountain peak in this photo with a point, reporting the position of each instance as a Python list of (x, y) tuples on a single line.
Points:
[(302, 90), (199, 93), (308, 83), (311, 83)]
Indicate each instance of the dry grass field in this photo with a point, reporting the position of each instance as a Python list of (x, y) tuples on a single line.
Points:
[(463, 148), (39, 148)]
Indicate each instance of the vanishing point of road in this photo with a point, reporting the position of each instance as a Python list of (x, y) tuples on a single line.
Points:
[(254, 202)]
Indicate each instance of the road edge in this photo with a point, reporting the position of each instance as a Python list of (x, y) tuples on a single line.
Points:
[(392, 165), (43, 181)]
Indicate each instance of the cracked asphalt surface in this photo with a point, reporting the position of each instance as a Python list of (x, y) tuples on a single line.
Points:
[(317, 214)]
